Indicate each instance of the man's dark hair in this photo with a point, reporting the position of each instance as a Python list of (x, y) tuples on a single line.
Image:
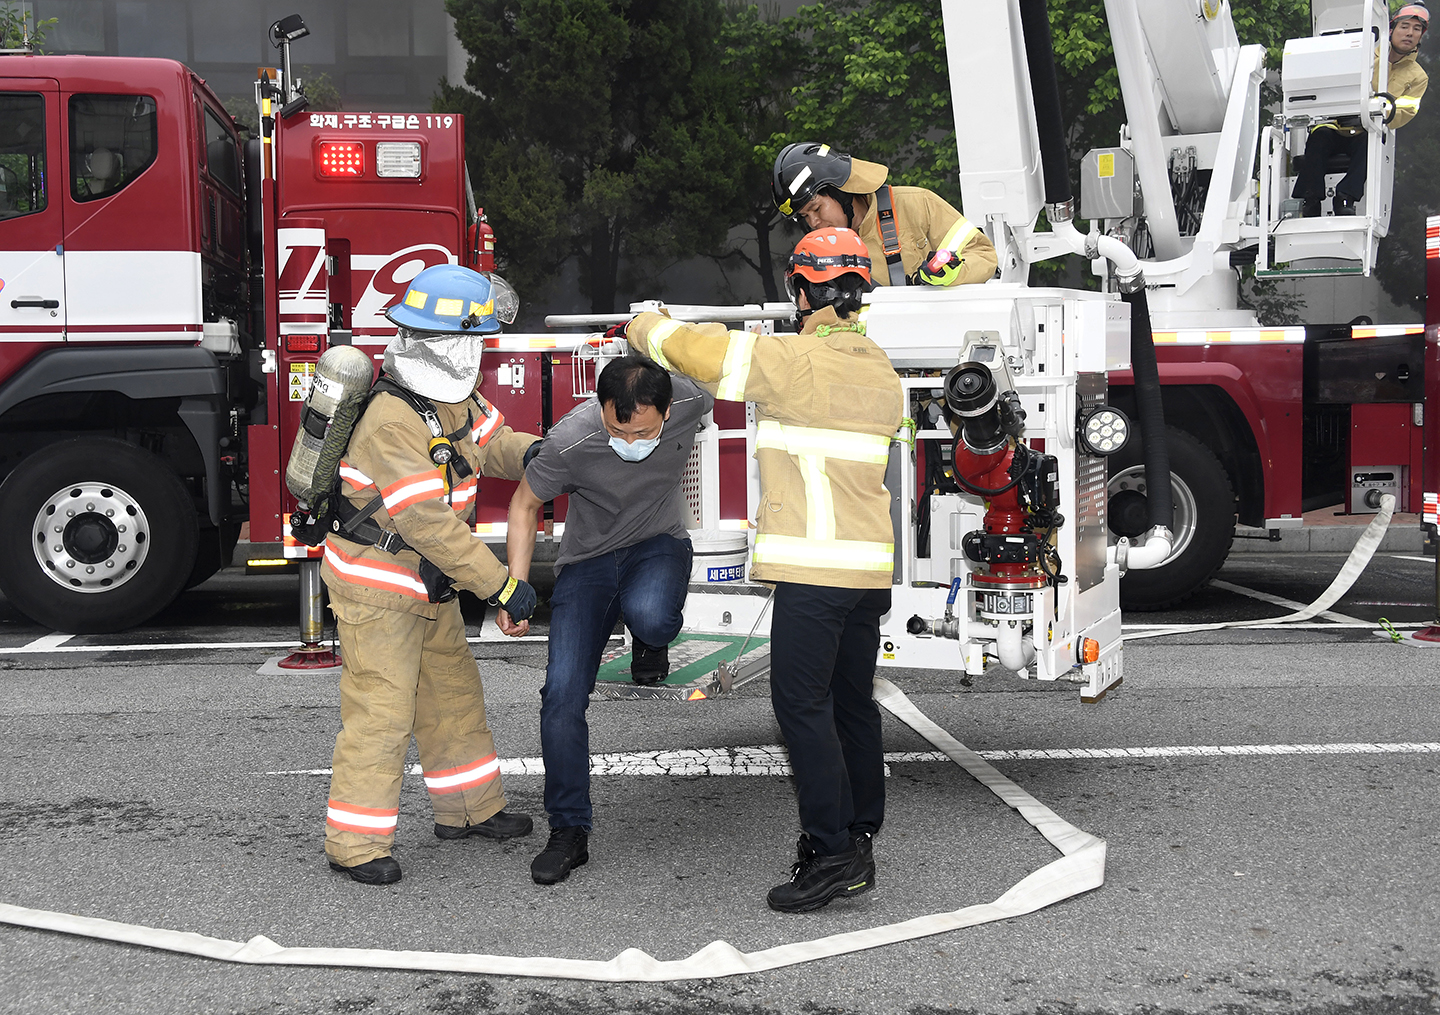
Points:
[(847, 201), (843, 293), (631, 381)]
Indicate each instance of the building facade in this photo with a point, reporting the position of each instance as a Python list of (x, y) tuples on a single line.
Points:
[(379, 54)]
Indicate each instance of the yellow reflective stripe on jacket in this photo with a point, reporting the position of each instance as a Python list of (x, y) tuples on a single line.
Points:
[(813, 440), (735, 371), (819, 499), (1408, 104), (847, 554), (656, 340), (960, 234)]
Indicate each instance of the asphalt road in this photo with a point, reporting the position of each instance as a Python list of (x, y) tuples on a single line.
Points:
[(144, 784)]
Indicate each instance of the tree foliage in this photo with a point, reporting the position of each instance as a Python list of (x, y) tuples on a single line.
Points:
[(761, 53), (19, 29), (874, 82), (596, 129)]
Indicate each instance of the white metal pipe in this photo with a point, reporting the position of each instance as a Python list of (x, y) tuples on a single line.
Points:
[(1152, 552), (1127, 265), (1015, 648)]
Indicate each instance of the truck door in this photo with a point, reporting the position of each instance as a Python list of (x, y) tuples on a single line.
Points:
[(32, 270)]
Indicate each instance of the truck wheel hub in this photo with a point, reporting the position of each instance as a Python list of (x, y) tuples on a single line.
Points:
[(90, 537), (1128, 508)]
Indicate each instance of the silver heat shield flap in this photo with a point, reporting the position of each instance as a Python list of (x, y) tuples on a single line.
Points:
[(442, 367)]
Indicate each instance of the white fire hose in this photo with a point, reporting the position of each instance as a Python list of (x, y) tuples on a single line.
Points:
[(1080, 868)]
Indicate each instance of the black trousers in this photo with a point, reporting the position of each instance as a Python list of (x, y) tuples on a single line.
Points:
[(823, 643), (1323, 143)]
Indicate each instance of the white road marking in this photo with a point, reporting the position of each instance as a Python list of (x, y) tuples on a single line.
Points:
[(772, 759), (48, 645), (1289, 604), (1406, 556), (1303, 625), (49, 642)]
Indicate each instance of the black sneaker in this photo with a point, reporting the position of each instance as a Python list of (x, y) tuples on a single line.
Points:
[(566, 850), (648, 665), (383, 870), (500, 825), (817, 879)]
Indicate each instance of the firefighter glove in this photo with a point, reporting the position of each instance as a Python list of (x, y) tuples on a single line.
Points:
[(617, 331), (940, 268), (517, 598)]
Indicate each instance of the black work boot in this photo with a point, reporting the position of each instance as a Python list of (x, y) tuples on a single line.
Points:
[(1311, 208), (566, 850), (500, 825), (648, 665), (817, 878), (1344, 205), (383, 870)]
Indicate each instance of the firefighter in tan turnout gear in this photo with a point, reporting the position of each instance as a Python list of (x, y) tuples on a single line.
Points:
[(913, 235), (409, 480), (828, 404)]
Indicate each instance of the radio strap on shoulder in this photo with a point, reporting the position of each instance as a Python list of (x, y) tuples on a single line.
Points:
[(889, 235)]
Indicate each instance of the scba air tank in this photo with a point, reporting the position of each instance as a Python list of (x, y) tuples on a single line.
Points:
[(337, 395)]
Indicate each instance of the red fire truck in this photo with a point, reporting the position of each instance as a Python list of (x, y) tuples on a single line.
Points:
[(165, 291)]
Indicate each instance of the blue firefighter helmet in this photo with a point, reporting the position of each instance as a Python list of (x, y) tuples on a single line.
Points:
[(448, 299)]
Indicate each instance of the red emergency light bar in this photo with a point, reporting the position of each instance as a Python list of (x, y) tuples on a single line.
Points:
[(340, 158)]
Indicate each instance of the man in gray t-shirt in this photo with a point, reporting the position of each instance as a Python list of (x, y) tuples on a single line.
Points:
[(625, 551)]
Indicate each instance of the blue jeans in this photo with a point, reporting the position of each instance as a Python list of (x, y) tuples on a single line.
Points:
[(646, 582)]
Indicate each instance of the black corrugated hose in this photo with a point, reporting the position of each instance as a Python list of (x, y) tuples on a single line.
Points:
[(1035, 22), (1150, 410), (1045, 92)]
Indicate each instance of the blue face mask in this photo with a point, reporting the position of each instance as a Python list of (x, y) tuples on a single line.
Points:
[(634, 451)]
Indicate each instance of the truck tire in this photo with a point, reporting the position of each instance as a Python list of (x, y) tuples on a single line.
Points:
[(96, 536), (1204, 520)]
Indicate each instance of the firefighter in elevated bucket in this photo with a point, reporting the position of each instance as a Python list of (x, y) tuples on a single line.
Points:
[(404, 544), (1347, 137), (913, 235), (828, 405)]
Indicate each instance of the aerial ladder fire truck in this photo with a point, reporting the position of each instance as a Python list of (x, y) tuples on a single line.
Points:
[(1065, 438), (167, 291)]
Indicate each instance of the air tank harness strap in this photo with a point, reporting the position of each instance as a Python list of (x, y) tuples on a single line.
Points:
[(356, 524), (442, 444), (889, 236)]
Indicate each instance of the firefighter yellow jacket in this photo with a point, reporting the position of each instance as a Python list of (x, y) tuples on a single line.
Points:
[(925, 222), (389, 456), (828, 403), (1407, 82)]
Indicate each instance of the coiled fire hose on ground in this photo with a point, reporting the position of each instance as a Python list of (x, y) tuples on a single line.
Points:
[(1080, 868)]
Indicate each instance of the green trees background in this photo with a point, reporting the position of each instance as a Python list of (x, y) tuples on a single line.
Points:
[(628, 135)]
